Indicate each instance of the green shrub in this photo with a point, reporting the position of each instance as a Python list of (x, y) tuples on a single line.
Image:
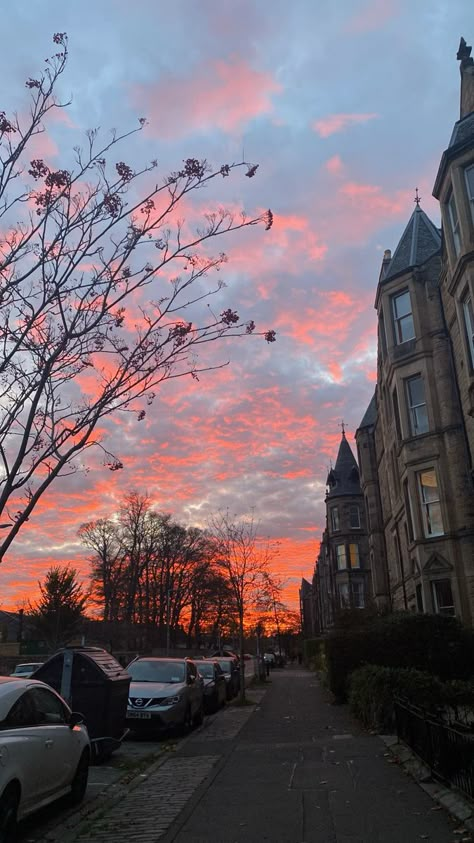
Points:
[(314, 653), (373, 688), (439, 645)]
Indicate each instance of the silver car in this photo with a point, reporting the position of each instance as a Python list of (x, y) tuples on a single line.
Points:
[(26, 670), (164, 694)]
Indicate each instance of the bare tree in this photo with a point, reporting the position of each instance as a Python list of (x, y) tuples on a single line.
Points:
[(243, 557), (78, 245)]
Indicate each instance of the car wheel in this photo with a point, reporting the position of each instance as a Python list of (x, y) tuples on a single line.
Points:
[(79, 782), (8, 813)]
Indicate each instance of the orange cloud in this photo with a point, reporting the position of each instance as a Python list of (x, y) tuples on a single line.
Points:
[(334, 123), (219, 94)]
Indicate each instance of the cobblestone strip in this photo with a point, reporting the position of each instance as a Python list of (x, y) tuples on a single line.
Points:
[(227, 724), (148, 811)]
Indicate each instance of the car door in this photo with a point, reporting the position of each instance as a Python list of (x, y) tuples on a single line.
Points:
[(22, 749), (195, 687), (61, 746)]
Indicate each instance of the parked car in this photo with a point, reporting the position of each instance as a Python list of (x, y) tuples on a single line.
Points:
[(231, 672), (164, 694), (228, 654), (44, 751), (215, 688), (26, 670)]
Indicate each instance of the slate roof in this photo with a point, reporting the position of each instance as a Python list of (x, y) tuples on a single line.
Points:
[(419, 242), (370, 415), (463, 130), (343, 479)]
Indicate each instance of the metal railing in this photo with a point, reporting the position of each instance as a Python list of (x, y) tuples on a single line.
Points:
[(447, 748)]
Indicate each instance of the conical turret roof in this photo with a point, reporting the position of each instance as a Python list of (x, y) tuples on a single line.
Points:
[(343, 479), (419, 242)]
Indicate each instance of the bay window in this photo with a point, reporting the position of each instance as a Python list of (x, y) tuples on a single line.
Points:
[(404, 327)]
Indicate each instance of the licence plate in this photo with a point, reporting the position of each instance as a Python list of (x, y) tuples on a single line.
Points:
[(139, 715)]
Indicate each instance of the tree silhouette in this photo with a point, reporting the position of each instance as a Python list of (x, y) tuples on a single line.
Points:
[(104, 294), (57, 617)]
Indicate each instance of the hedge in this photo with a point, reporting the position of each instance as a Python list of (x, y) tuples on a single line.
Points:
[(432, 643), (373, 688)]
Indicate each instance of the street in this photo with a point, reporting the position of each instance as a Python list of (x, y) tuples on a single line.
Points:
[(292, 768)]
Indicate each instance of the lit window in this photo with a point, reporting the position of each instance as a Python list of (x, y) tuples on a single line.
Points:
[(417, 405), (354, 517), (454, 222), (468, 312), (341, 557), (358, 597), (430, 503), (354, 555), (469, 173), (344, 595), (443, 597), (335, 519), (403, 318)]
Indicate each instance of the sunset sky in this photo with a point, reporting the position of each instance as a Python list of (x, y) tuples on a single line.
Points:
[(347, 108)]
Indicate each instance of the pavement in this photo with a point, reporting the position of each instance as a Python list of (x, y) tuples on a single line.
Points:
[(290, 768)]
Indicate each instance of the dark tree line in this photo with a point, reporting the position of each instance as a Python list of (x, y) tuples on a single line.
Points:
[(148, 569)]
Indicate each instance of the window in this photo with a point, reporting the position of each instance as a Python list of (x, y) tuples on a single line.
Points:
[(430, 503), (382, 335), (396, 413), (354, 555), (408, 510), (334, 519), (358, 598), (354, 517), (443, 597), (469, 174), (454, 223), (417, 405), (49, 708), (419, 598), (341, 557), (469, 327), (403, 318), (22, 714), (344, 601)]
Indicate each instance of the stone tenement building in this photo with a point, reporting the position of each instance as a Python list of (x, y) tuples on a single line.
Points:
[(416, 441)]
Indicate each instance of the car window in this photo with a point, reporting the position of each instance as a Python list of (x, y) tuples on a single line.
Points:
[(21, 714), (49, 708), (156, 671), (206, 670), (219, 670)]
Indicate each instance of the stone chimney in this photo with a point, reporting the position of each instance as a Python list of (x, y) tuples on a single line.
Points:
[(467, 78)]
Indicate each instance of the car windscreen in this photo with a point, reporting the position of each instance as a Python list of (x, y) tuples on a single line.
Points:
[(150, 671), (206, 670), (226, 665)]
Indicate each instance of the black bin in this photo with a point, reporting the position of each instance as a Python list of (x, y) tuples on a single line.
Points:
[(99, 688)]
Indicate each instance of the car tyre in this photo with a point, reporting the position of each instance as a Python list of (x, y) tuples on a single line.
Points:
[(8, 814), (79, 782)]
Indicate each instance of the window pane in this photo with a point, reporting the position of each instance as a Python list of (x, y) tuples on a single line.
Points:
[(443, 597), (435, 523), (354, 555), (469, 326), (341, 556), (358, 594), (416, 391), (417, 405), (354, 516), (335, 518), (344, 595), (429, 486), (453, 217), (402, 304), (470, 182)]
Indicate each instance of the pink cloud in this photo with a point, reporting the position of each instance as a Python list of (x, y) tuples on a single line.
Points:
[(334, 123), (218, 94), (334, 165)]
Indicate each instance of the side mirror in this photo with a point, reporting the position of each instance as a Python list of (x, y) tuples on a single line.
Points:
[(75, 719)]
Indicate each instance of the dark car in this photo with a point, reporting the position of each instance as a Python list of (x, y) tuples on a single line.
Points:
[(231, 672), (215, 686)]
